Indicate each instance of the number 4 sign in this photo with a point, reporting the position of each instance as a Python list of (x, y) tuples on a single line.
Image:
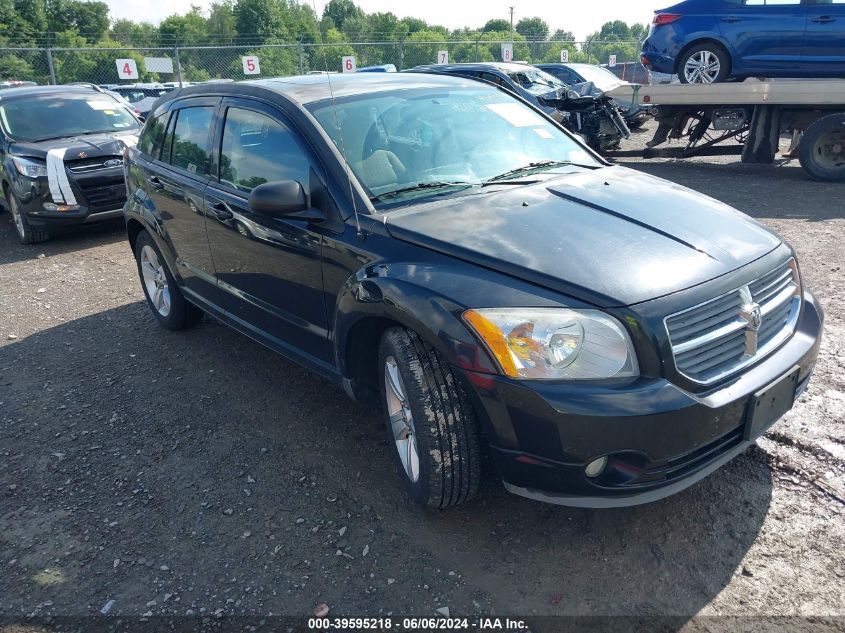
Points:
[(442, 57), (127, 68), (348, 62), (251, 66)]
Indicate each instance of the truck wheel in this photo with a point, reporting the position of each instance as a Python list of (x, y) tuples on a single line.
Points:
[(431, 424), (822, 149), (706, 63), (164, 298), (27, 233)]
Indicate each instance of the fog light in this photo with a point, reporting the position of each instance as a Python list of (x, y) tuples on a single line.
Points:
[(596, 467)]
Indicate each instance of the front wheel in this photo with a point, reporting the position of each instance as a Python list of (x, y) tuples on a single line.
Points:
[(431, 425), (821, 150), (705, 63), (27, 234)]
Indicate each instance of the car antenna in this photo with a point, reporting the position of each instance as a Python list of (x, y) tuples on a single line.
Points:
[(337, 123)]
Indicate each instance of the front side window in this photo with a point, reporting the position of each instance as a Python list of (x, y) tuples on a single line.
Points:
[(190, 148), (257, 149), (535, 81), (152, 133), (42, 117), (402, 138)]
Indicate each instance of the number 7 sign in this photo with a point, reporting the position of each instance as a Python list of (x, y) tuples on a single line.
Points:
[(127, 68), (442, 57)]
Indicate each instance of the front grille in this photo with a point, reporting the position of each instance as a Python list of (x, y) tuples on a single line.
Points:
[(717, 338), (682, 465), (88, 165), (105, 196)]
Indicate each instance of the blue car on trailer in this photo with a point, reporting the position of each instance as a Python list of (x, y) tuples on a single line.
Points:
[(708, 41)]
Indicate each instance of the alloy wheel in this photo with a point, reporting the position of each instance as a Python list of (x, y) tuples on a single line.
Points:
[(702, 67), (155, 280), (401, 419)]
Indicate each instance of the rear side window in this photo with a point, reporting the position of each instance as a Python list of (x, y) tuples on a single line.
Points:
[(152, 134), (189, 147), (258, 149)]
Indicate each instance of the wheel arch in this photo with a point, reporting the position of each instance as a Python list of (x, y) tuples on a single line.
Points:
[(704, 40)]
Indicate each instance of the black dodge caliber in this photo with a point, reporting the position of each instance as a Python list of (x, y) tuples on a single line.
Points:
[(61, 149), (441, 245)]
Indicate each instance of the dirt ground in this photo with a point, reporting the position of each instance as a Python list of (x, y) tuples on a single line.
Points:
[(198, 473)]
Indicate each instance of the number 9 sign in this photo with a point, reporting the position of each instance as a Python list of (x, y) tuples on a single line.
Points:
[(348, 62)]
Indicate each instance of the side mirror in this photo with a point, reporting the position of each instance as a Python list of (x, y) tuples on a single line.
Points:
[(281, 199)]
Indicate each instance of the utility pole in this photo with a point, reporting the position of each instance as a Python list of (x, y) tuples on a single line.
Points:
[(511, 10)]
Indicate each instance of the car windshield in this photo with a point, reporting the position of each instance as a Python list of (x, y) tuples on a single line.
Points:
[(603, 79), (41, 117), (401, 139), (535, 81)]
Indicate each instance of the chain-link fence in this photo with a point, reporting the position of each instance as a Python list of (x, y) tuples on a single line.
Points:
[(202, 63)]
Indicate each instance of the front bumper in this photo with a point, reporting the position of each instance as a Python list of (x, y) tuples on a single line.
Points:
[(659, 438)]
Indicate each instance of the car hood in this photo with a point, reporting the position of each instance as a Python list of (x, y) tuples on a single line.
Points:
[(92, 145), (610, 236)]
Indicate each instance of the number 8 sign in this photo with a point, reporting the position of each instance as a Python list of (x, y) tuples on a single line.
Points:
[(348, 63), (126, 68), (507, 51)]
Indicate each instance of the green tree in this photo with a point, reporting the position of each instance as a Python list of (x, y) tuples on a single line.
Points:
[(132, 33), (342, 10), (259, 19), (498, 25), (190, 29), (221, 24), (88, 19), (533, 28)]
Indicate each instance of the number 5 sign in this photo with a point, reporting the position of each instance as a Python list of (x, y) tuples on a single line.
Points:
[(507, 51), (127, 68), (442, 57), (251, 65), (348, 62)]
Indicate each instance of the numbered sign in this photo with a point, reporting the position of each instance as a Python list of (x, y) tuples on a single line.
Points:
[(251, 65), (507, 51), (348, 62), (564, 56), (127, 68), (612, 61), (442, 57)]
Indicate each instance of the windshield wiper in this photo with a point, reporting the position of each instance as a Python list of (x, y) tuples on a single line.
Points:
[(534, 167), (420, 186)]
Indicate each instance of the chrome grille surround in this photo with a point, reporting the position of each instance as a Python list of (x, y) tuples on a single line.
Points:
[(722, 336)]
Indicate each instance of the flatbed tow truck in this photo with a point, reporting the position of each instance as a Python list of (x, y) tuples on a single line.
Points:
[(748, 118)]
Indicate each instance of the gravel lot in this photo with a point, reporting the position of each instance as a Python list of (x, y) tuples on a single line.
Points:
[(198, 473)]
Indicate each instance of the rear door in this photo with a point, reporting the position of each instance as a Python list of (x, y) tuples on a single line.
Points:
[(268, 269), (764, 35), (824, 40), (176, 185)]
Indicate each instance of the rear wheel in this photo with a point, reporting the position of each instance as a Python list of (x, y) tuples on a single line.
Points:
[(822, 149), (431, 424), (706, 63), (27, 233), (164, 298)]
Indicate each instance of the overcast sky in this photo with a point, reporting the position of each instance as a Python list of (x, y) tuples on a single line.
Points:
[(582, 18)]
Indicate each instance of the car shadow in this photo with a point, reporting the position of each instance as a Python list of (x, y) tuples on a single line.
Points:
[(62, 240), (205, 438)]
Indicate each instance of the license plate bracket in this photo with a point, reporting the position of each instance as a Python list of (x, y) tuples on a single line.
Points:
[(769, 404)]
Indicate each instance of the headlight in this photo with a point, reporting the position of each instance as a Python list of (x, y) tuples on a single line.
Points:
[(555, 343), (30, 168)]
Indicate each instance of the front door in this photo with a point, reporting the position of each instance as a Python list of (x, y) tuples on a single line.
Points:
[(824, 41), (268, 269)]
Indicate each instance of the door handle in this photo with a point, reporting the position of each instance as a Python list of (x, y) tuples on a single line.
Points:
[(155, 182), (823, 19), (731, 18), (222, 211)]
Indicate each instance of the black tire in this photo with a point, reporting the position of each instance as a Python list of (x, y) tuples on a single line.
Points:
[(444, 423), (821, 150), (704, 50), (26, 233), (181, 314)]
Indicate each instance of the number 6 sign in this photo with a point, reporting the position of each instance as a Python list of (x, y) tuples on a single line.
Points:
[(348, 63), (251, 65), (127, 68)]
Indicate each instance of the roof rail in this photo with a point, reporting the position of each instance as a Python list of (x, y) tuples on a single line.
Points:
[(88, 84)]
